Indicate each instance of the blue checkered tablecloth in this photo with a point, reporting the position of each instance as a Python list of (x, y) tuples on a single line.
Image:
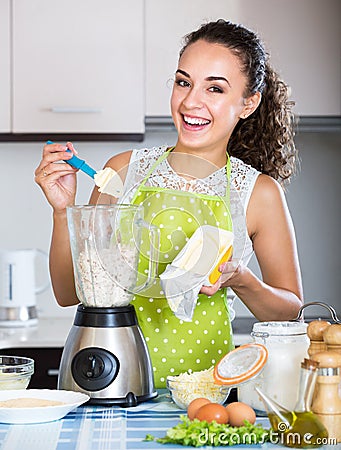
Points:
[(93, 428), (99, 428)]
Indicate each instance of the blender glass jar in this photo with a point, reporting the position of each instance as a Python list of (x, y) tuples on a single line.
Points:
[(105, 245), (287, 344)]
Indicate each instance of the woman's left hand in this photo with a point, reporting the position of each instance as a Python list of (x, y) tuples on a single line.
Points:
[(231, 275)]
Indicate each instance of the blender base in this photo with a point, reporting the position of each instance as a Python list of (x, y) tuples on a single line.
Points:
[(130, 400), (106, 357)]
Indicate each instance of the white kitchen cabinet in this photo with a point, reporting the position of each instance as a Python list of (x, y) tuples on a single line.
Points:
[(304, 40), (5, 83), (78, 66), (302, 36)]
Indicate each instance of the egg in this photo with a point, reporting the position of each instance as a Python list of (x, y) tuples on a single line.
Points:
[(195, 405), (212, 411), (238, 412)]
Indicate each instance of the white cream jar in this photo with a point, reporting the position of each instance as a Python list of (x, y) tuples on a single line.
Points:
[(287, 344)]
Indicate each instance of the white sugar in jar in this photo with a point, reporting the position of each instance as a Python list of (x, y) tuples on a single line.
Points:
[(287, 344)]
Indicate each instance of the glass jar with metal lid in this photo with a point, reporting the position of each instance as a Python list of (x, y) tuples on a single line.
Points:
[(287, 344)]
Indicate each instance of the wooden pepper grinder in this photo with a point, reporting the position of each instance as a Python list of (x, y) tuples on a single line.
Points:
[(326, 402), (315, 332), (332, 337)]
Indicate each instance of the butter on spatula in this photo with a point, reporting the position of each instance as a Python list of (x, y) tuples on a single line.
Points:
[(108, 180)]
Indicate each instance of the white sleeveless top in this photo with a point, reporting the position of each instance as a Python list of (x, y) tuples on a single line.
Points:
[(243, 178)]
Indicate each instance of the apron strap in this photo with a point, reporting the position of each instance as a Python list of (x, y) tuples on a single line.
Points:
[(164, 156)]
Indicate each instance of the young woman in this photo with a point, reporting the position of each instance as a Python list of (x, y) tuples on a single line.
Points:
[(234, 149)]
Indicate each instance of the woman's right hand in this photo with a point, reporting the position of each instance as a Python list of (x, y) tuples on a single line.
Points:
[(56, 178)]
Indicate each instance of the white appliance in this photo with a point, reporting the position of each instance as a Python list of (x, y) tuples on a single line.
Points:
[(18, 287)]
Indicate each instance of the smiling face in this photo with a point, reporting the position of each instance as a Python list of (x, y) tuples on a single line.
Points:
[(207, 99)]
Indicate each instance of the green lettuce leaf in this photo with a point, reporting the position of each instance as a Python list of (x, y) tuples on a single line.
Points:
[(196, 433)]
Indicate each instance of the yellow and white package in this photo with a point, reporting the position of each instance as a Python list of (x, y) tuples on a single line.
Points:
[(196, 265)]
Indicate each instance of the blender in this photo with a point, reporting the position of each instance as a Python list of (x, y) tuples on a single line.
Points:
[(105, 354)]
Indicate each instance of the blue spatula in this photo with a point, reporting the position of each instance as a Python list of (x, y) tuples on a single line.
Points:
[(108, 180)]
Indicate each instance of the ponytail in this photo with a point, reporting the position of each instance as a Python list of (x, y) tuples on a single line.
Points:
[(265, 140)]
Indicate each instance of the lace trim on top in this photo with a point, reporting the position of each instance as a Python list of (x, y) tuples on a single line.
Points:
[(243, 176)]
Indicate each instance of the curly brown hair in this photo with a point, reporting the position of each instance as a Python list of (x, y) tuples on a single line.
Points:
[(265, 139)]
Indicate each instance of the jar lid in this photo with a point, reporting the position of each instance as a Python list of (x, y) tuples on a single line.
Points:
[(286, 328), (241, 364)]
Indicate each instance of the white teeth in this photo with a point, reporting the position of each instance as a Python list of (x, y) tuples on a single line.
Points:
[(195, 121)]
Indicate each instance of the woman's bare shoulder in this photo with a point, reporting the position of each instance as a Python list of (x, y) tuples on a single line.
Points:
[(267, 202), (119, 161), (266, 190)]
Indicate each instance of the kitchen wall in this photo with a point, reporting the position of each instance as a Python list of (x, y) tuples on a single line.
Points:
[(313, 199)]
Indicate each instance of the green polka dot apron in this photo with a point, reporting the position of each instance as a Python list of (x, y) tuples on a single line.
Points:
[(176, 346)]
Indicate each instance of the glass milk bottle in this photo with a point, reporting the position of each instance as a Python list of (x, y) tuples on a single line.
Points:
[(287, 344)]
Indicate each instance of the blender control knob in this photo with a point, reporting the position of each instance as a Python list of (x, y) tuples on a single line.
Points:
[(94, 368)]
